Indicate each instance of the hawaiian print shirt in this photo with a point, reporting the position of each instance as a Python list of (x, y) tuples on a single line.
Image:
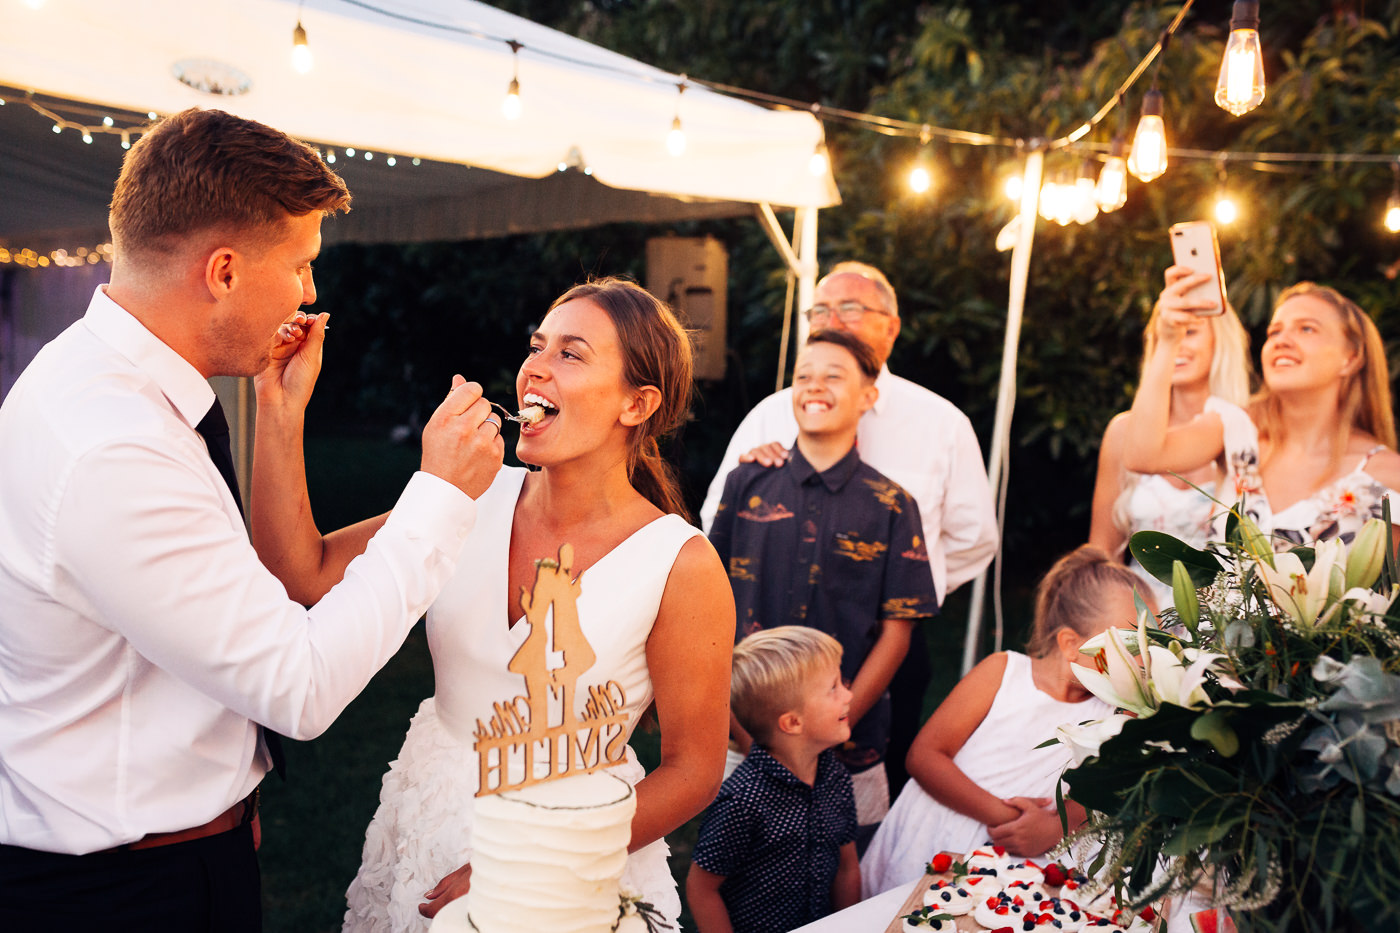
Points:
[(840, 551)]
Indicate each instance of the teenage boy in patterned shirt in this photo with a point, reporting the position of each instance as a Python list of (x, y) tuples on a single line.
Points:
[(828, 542)]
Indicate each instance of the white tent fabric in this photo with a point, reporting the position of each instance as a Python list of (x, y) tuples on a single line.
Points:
[(420, 78)]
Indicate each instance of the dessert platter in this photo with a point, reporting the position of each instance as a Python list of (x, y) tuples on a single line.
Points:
[(990, 889)]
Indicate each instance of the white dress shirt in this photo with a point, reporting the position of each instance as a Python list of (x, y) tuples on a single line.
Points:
[(141, 640), (921, 441)]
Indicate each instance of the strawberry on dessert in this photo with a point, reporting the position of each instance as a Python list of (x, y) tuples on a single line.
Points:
[(1021, 871), (950, 898), (999, 911), (1028, 892)]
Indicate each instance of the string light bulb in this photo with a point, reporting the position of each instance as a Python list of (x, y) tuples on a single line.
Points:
[(920, 180), (1086, 206), (921, 175), (1392, 206), (301, 52), (1148, 158), (1241, 85), (675, 140), (510, 107), (1013, 186), (1111, 191), (820, 161), (1226, 210)]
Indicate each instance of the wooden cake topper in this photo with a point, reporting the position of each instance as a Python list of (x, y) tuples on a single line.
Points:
[(540, 732)]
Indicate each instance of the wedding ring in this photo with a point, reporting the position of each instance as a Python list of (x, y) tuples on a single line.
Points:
[(491, 420)]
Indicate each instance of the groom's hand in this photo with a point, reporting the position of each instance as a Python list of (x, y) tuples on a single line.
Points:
[(293, 361), (446, 891)]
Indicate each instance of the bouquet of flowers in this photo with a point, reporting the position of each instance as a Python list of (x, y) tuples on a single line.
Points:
[(1256, 751)]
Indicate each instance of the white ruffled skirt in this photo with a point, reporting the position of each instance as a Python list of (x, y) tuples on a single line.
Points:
[(422, 831)]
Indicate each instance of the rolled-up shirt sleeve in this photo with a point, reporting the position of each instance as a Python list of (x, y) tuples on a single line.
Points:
[(187, 593)]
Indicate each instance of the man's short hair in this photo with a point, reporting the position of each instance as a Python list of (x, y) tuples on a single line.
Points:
[(772, 670), (867, 271), (206, 170), (866, 359)]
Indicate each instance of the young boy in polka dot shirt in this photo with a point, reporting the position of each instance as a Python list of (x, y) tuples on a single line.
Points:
[(777, 847)]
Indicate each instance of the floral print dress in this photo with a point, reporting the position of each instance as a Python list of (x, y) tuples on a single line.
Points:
[(1337, 510)]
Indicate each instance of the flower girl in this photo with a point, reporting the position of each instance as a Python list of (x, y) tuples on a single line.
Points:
[(977, 773)]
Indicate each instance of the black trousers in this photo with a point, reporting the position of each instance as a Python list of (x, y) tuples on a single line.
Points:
[(208, 885)]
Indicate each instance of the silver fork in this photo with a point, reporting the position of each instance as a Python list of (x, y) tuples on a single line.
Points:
[(507, 414)]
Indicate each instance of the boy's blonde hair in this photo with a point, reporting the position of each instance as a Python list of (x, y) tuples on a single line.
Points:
[(772, 669)]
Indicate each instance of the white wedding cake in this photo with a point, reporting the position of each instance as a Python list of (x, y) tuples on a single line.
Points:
[(549, 856)]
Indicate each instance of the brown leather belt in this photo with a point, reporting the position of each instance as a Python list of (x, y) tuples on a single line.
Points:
[(245, 811)]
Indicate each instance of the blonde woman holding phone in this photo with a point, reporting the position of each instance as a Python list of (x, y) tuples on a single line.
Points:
[(1206, 370), (1317, 458)]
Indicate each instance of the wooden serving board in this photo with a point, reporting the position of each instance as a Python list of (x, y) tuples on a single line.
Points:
[(915, 900)]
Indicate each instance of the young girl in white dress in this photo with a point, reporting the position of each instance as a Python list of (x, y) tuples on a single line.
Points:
[(612, 368), (1323, 458), (977, 774), (1210, 372)]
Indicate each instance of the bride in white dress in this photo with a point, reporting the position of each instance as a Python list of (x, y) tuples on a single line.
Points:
[(614, 369)]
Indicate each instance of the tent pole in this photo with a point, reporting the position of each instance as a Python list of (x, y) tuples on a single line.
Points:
[(1006, 392)]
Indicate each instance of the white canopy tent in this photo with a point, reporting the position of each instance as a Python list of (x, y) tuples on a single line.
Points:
[(416, 79)]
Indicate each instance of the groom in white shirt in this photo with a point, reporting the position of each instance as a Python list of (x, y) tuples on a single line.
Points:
[(915, 437), (143, 646)]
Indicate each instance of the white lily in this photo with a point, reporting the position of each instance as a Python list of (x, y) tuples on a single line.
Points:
[(1176, 683), (1086, 738), (1300, 593), (1117, 678), (1371, 602)]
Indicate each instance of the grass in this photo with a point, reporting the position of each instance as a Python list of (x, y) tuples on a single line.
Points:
[(314, 823)]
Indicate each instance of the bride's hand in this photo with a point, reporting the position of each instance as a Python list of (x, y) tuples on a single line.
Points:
[(447, 890)]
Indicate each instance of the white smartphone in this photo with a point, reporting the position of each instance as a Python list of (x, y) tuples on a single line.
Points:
[(1195, 246)]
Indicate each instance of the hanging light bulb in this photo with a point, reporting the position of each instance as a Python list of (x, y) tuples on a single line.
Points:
[(510, 107), (301, 52), (1111, 192), (675, 140), (1241, 85), (1049, 198), (919, 179), (1086, 207), (820, 160), (1148, 158), (921, 175), (1392, 206), (1013, 187), (1226, 211)]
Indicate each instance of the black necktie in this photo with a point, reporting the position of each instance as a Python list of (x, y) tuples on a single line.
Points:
[(213, 427)]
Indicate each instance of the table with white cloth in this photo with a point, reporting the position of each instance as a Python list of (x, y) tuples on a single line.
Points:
[(871, 915)]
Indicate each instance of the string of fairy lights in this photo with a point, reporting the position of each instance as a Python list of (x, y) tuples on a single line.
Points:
[(1099, 185)]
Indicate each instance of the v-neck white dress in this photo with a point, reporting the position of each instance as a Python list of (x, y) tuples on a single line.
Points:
[(423, 827)]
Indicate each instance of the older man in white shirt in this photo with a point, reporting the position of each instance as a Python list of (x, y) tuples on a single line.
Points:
[(143, 646), (915, 437)]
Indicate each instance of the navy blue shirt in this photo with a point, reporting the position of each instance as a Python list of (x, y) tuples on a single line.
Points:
[(777, 841), (841, 551)]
